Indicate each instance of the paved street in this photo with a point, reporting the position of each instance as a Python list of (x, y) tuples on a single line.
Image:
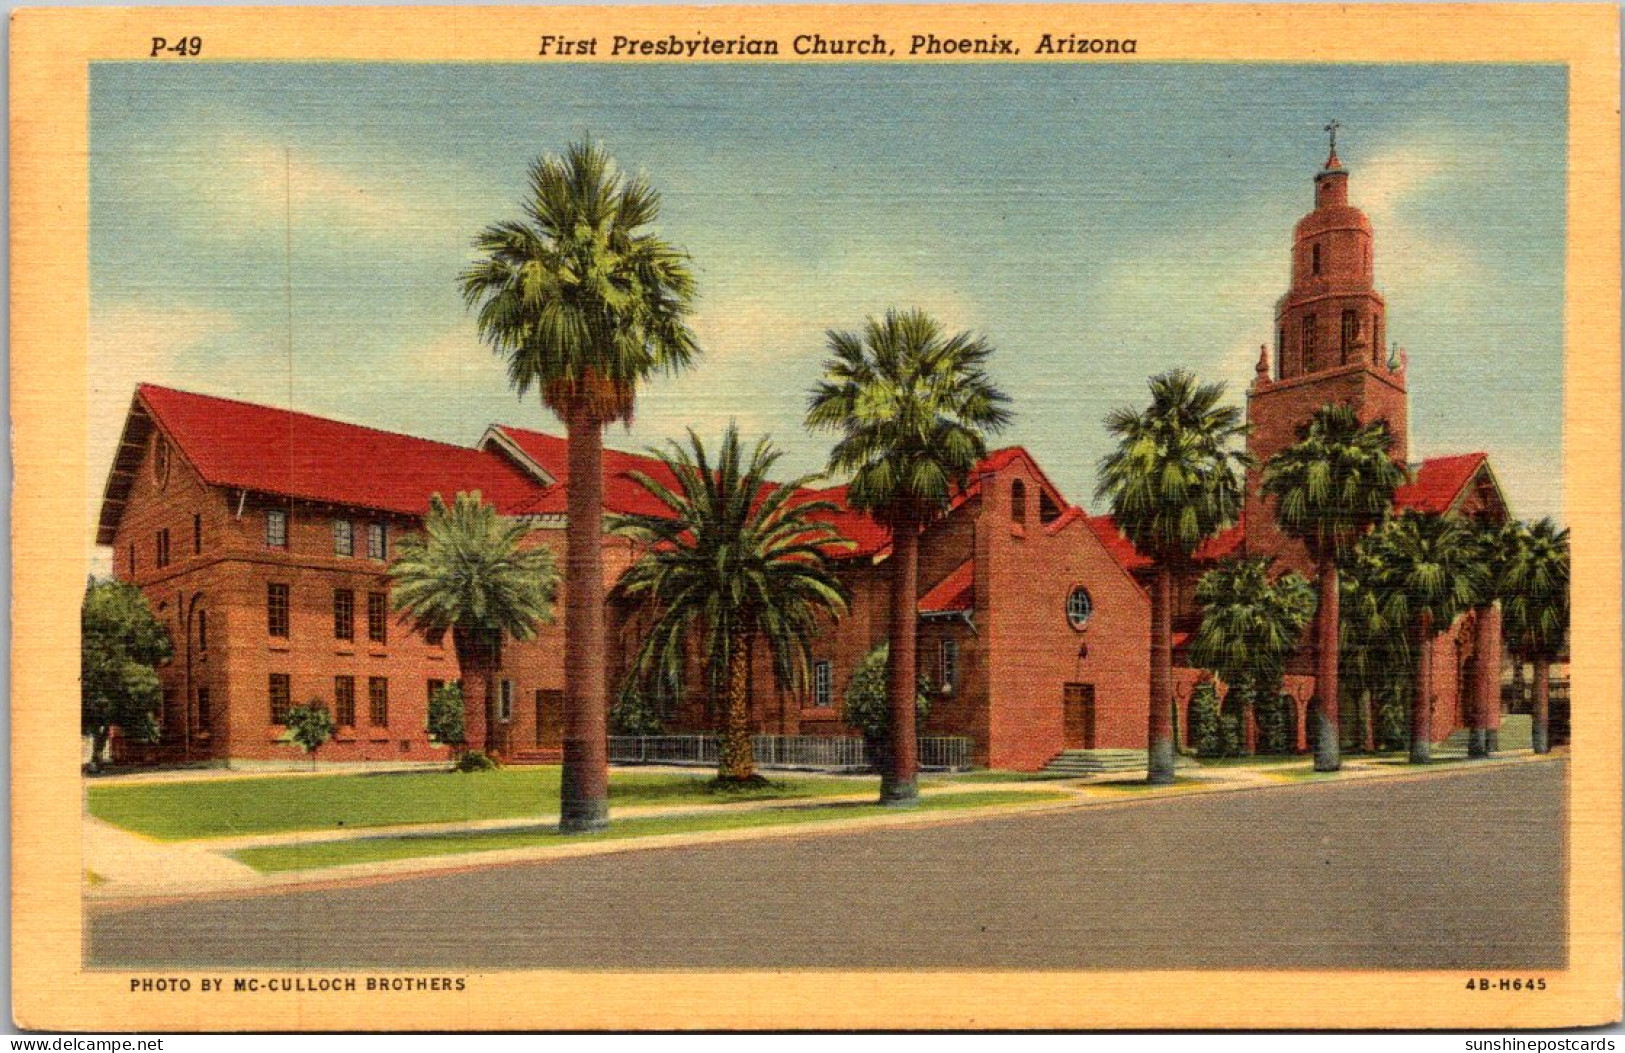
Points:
[(1451, 871)]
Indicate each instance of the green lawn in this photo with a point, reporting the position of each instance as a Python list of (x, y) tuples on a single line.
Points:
[(177, 811), (1261, 760), (996, 775), (411, 846)]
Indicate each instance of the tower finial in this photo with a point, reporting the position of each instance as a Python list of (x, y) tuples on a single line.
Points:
[(1331, 130)]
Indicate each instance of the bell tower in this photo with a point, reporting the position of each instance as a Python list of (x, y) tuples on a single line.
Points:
[(1329, 332)]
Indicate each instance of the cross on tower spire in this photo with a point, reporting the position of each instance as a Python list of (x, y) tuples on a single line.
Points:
[(1331, 130)]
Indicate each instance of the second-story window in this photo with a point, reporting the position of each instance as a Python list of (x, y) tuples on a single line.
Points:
[(202, 630), (343, 614), (343, 537), (378, 701), (132, 560), (377, 541), (276, 528), (163, 547), (949, 655), (276, 609), (1314, 259), (1306, 344), (377, 617), (1018, 502), (823, 685), (505, 704)]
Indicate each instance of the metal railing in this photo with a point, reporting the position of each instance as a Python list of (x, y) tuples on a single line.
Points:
[(823, 752)]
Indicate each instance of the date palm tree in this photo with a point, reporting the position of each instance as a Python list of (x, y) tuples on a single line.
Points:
[(737, 562), (1331, 487), (1534, 588), (585, 303), (1174, 480), (912, 407), (470, 574), (1250, 626), (1427, 571)]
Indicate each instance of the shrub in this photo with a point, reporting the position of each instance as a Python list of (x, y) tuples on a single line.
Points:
[(1213, 734), (476, 760), (865, 705), (310, 725), (446, 715), (634, 714), (1275, 715)]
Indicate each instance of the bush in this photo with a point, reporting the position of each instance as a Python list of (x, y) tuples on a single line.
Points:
[(634, 714), (1275, 716), (310, 725), (446, 715), (865, 705), (1213, 733), (476, 760)]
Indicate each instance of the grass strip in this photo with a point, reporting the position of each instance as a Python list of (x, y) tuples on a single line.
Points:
[(319, 855), (205, 808)]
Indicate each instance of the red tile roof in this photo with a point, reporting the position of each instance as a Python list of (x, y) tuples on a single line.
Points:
[(1219, 546), (1438, 481), (241, 445), (956, 592)]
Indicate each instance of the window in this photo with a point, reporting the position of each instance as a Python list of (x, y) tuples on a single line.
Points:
[(343, 537), (1306, 347), (197, 534), (160, 461), (377, 617), (949, 654), (203, 711), (1314, 259), (280, 694), (276, 528), (1351, 333), (668, 693), (1280, 353), (377, 541), (378, 701), (1079, 607), (163, 547), (823, 686), (276, 609), (132, 561), (505, 702), (343, 614), (344, 701), (202, 630), (1018, 501)]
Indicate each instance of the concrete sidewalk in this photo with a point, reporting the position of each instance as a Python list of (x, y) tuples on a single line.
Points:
[(131, 868)]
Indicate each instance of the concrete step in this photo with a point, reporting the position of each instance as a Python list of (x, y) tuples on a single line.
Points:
[(1102, 761)]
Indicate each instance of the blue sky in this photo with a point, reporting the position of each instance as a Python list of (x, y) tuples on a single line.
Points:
[(1097, 223)]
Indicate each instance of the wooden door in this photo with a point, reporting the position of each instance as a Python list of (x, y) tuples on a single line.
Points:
[(550, 719), (1078, 705)]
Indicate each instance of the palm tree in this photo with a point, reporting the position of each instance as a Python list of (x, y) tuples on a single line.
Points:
[(1534, 588), (1427, 571), (469, 573), (1374, 652), (912, 407), (1250, 627), (1174, 480), (1330, 487), (739, 561), (584, 303)]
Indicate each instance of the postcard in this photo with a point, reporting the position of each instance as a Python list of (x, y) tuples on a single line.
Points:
[(816, 517)]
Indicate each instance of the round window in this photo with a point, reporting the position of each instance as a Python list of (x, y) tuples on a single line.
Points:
[(1079, 607)]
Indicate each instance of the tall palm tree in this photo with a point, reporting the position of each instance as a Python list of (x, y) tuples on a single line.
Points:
[(1330, 487), (1374, 653), (912, 406), (1174, 480), (1427, 571), (738, 561), (469, 573), (1534, 588), (1250, 626), (584, 303)]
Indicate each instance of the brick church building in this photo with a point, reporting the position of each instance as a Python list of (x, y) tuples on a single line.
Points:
[(261, 537)]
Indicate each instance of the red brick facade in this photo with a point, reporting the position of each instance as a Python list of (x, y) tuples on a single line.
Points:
[(1034, 630)]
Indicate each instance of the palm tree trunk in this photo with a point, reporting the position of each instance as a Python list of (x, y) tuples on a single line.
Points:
[(584, 782), (1249, 719), (898, 779), (476, 677), (738, 760), (1328, 737), (1159, 761), (1541, 731), (1368, 723), (1478, 735), (1422, 702)]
